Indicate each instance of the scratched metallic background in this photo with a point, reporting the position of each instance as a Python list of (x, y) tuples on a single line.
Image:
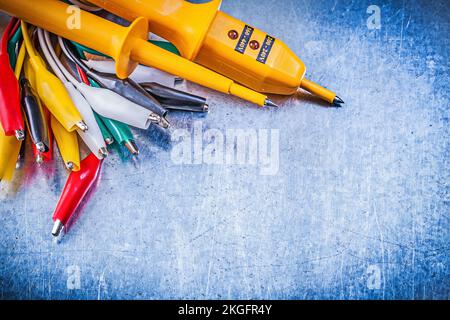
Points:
[(359, 208)]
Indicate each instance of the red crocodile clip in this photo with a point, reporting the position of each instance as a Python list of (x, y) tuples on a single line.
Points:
[(77, 186), (10, 111)]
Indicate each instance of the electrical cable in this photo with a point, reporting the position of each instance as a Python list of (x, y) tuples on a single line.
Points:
[(20, 60), (140, 74), (162, 44), (13, 44), (15, 26)]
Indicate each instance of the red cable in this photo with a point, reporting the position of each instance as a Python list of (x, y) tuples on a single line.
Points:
[(9, 27), (14, 29), (83, 75)]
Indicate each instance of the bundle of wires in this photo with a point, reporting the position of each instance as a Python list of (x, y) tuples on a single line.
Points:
[(69, 92)]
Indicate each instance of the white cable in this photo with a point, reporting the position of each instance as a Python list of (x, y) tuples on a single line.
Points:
[(93, 138), (49, 57), (64, 49), (52, 59), (85, 6)]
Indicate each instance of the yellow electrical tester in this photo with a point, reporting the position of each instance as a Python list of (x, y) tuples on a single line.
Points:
[(244, 59), (212, 38)]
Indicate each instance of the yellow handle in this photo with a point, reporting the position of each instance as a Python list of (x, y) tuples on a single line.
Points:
[(183, 23), (81, 26)]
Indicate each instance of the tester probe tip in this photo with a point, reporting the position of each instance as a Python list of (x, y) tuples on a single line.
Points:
[(270, 103), (206, 107), (57, 228), (337, 102)]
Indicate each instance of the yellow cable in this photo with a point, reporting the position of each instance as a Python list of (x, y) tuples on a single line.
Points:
[(27, 41), (20, 60)]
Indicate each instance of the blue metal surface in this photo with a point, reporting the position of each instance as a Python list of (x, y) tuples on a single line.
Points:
[(359, 207)]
